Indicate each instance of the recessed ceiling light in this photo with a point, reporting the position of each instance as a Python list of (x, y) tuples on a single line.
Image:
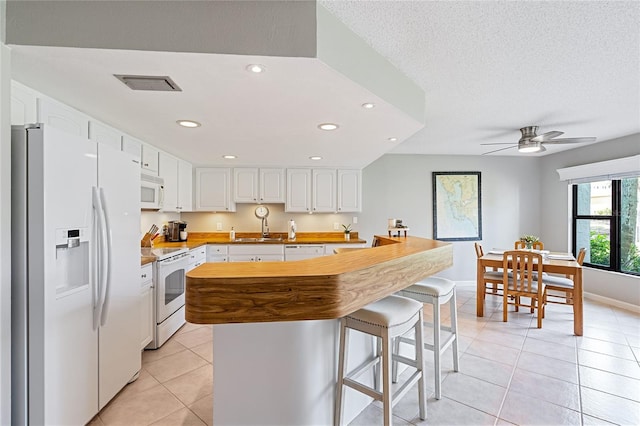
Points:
[(315, 157), (256, 68), (368, 105), (188, 123), (328, 126), (229, 157), (392, 139)]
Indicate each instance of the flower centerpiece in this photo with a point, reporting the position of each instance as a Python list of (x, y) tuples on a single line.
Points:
[(528, 240), (347, 231)]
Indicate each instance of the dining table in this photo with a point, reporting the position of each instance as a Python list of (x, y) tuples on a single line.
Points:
[(553, 263)]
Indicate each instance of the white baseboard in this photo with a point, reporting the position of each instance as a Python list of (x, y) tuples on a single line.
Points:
[(591, 296), (613, 302)]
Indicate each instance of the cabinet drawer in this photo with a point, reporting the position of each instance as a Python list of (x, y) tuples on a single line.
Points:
[(256, 249)]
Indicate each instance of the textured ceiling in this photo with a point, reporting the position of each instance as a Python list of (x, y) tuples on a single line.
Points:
[(489, 68)]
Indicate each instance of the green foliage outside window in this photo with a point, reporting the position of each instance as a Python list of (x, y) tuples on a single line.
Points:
[(600, 249)]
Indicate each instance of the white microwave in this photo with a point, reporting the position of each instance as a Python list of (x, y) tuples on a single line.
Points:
[(151, 192)]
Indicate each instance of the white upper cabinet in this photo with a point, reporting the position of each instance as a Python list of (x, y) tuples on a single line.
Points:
[(178, 185), (298, 190), (150, 159), (271, 185), (105, 135), (349, 191), (185, 186), (24, 104), (253, 185), (55, 114), (213, 190), (168, 170), (132, 146), (324, 191)]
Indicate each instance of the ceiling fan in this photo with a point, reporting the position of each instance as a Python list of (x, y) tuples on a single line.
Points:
[(531, 142)]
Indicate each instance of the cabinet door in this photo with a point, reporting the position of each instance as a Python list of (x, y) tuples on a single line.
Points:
[(60, 116), (168, 170), (272, 186), (146, 316), (245, 188), (133, 146), (24, 104), (185, 186), (324, 190), (105, 135), (298, 190), (213, 190), (150, 159), (349, 191)]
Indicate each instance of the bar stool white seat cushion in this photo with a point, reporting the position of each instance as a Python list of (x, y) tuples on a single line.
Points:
[(390, 312), (432, 286)]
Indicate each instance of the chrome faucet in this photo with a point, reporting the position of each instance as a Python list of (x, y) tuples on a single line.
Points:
[(265, 224)]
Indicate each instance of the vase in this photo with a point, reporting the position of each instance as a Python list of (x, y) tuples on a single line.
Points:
[(528, 246), (347, 236)]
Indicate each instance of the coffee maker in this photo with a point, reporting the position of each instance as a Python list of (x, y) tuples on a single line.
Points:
[(176, 231)]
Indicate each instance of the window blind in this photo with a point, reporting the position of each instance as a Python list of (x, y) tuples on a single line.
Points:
[(603, 170)]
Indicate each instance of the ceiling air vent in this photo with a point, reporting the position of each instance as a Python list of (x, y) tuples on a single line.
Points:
[(158, 83)]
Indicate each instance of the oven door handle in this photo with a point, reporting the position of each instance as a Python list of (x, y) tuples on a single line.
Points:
[(184, 258)]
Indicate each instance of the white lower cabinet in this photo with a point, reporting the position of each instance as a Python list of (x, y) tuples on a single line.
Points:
[(328, 248), (146, 305), (197, 257), (256, 252), (217, 253)]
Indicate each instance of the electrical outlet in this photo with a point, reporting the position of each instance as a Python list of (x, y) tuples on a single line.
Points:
[(219, 226), (355, 220), (336, 226)]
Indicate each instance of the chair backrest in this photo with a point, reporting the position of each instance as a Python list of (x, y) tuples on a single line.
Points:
[(479, 251), (581, 255), (538, 245), (526, 266)]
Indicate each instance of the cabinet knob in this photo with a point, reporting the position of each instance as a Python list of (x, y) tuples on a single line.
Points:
[(144, 275)]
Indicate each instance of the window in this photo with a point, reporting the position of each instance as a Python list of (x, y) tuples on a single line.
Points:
[(606, 221)]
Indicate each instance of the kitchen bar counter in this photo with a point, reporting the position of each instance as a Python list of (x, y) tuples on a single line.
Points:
[(312, 289), (275, 332)]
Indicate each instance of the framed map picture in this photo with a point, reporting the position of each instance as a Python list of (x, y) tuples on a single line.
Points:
[(457, 213)]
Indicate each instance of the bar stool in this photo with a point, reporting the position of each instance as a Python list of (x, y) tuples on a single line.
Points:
[(385, 319), (435, 291)]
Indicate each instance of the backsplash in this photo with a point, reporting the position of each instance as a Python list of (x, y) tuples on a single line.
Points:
[(244, 220)]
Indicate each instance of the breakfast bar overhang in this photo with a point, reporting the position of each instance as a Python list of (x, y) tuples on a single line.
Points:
[(276, 330)]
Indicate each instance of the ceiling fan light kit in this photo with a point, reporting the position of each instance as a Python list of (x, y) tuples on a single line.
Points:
[(531, 142)]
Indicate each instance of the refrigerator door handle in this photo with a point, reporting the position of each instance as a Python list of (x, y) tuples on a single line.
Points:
[(108, 245), (100, 257)]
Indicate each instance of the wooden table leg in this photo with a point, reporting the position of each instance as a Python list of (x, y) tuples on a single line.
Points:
[(577, 303), (480, 289)]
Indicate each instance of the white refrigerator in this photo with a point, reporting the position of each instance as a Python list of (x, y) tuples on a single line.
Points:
[(75, 275)]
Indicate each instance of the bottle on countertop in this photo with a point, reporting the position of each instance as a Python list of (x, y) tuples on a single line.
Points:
[(292, 230), (232, 234)]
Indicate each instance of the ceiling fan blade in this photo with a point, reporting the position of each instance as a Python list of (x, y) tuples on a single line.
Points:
[(569, 140), (501, 149), (547, 136)]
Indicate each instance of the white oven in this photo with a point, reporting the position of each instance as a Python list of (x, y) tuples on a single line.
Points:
[(171, 268), (151, 192)]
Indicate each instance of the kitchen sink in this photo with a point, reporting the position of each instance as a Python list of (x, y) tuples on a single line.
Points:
[(257, 240)]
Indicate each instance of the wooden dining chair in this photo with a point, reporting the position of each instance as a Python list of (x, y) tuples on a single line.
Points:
[(492, 277), (523, 265), (519, 245), (562, 285)]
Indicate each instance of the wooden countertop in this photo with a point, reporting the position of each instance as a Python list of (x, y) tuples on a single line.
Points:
[(320, 288), (197, 239)]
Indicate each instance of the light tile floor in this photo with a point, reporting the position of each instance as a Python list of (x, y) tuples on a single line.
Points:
[(510, 373)]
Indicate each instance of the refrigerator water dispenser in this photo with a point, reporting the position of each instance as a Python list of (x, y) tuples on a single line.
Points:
[(72, 260)]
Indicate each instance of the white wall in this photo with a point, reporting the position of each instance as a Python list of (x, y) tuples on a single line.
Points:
[(400, 186), (555, 223)]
